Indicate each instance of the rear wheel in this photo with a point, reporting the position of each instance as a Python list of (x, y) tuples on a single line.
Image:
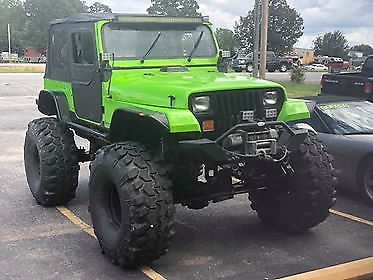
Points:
[(283, 68), (51, 162), (366, 181), (131, 203), (301, 201)]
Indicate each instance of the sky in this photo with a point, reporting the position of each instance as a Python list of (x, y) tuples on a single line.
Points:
[(353, 18)]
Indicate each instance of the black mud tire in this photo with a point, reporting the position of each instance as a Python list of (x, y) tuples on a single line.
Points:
[(131, 203), (365, 181), (51, 162), (301, 201)]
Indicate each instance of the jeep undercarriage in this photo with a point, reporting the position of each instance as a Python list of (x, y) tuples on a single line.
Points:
[(246, 157)]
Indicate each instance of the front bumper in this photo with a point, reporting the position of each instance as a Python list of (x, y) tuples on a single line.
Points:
[(248, 140)]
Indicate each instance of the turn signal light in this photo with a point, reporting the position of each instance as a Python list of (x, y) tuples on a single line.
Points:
[(208, 125), (368, 87)]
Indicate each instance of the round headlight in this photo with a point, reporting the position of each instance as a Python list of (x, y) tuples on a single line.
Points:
[(201, 104), (270, 98)]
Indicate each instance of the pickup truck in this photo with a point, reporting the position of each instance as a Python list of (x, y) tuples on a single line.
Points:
[(359, 84), (246, 63)]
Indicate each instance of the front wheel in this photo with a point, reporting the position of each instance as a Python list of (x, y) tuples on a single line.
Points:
[(131, 203), (249, 68), (51, 161), (283, 68), (366, 181), (295, 203)]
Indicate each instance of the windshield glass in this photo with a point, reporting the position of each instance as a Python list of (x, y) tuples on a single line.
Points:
[(132, 42), (348, 117)]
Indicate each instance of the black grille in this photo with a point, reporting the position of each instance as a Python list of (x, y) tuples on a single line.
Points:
[(228, 105)]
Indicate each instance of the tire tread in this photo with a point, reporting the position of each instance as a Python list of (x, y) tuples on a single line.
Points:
[(59, 161), (313, 192), (150, 202)]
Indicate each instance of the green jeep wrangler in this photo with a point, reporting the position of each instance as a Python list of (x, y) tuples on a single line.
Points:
[(166, 125)]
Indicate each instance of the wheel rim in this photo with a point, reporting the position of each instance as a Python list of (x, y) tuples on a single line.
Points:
[(283, 68), (106, 208), (368, 182), (115, 209), (249, 68), (34, 169)]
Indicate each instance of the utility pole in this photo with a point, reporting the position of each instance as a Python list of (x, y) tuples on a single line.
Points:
[(264, 36), (9, 49), (257, 14)]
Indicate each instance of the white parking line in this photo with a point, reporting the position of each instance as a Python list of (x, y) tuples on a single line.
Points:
[(351, 217)]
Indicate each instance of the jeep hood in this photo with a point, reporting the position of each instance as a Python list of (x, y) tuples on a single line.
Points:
[(155, 88)]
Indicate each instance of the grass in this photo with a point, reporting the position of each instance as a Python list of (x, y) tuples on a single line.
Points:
[(300, 90), (32, 68)]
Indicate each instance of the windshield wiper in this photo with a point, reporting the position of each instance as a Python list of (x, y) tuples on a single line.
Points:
[(151, 47), (196, 45)]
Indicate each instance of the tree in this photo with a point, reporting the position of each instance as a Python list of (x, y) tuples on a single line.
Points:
[(365, 49), (98, 7), (12, 13), (29, 20), (226, 39), (174, 8), (284, 30), (331, 44), (41, 12)]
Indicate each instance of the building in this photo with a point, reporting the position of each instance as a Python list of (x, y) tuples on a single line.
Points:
[(31, 55), (306, 55)]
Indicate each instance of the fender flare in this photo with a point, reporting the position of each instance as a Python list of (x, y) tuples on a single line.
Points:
[(138, 124), (54, 103)]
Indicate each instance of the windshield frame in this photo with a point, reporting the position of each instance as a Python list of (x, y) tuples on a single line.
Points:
[(132, 26)]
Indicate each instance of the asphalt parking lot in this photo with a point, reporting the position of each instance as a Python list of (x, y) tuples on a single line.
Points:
[(224, 241)]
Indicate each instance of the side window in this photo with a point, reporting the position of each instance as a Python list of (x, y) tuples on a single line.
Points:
[(83, 48), (59, 48)]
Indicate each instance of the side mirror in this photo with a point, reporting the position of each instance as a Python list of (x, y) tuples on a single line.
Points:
[(105, 67), (223, 62), (107, 57)]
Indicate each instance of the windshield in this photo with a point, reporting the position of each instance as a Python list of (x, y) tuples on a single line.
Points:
[(348, 117), (133, 42)]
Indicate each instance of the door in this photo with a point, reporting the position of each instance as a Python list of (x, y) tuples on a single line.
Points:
[(85, 77)]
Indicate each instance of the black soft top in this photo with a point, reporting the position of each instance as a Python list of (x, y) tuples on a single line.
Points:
[(84, 17)]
